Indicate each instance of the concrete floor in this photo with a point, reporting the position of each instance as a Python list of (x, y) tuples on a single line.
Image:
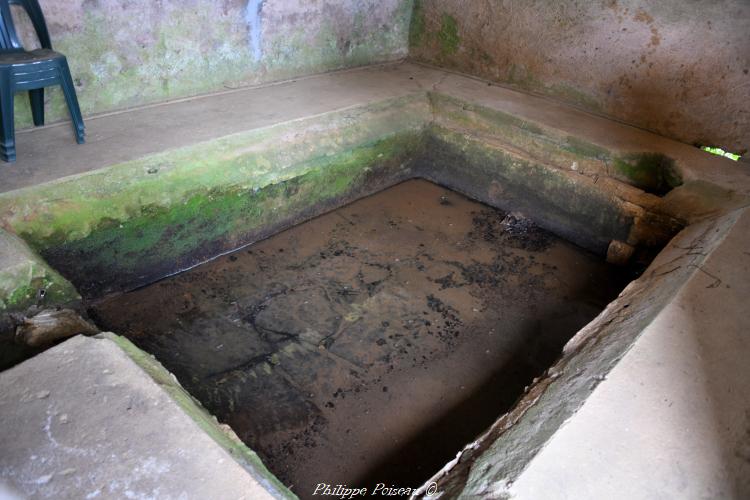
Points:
[(123, 136), (671, 419)]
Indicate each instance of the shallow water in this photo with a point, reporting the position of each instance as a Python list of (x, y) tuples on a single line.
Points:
[(370, 344)]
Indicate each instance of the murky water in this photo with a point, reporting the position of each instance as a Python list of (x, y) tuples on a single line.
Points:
[(370, 344)]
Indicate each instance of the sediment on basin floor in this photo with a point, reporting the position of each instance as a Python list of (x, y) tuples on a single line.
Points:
[(370, 344)]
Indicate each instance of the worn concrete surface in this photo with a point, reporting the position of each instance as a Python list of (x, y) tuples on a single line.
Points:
[(131, 53), (681, 69), (139, 184), (564, 121), (84, 420), (672, 419)]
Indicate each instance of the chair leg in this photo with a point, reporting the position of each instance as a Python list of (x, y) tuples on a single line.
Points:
[(36, 98), (8, 136), (70, 97)]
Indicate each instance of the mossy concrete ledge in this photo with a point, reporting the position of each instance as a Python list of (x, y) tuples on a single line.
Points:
[(26, 280), (125, 225), (97, 417)]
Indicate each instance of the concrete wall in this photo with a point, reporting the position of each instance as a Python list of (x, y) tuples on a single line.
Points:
[(127, 53), (677, 67)]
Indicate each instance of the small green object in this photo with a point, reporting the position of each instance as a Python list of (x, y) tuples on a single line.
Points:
[(721, 152)]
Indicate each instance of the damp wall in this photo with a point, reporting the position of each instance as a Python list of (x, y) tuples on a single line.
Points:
[(124, 54), (679, 68)]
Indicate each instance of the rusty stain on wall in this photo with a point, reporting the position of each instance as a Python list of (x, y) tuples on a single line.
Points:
[(679, 69)]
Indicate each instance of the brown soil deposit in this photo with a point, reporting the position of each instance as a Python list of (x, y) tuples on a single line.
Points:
[(370, 344)]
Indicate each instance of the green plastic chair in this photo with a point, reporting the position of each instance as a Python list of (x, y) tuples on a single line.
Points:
[(30, 70)]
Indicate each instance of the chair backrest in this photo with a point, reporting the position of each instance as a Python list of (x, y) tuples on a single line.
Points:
[(8, 37)]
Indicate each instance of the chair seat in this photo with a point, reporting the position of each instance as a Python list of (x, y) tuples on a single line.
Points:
[(15, 57), (32, 71)]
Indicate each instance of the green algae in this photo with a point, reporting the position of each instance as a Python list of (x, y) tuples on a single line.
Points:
[(24, 294), (198, 414), (585, 149), (71, 208), (417, 25), (26, 280), (448, 35), (161, 240), (545, 144), (135, 222), (652, 172), (560, 202)]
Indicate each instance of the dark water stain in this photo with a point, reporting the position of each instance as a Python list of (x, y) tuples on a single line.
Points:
[(370, 344)]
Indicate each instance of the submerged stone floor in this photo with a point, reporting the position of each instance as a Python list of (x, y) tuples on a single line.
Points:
[(369, 344)]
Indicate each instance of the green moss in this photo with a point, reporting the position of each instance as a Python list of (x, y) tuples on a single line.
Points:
[(563, 203), (137, 221), (160, 239), (193, 409), (468, 113), (417, 24), (26, 280), (56, 292), (448, 35), (584, 148), (70, 209), (652, 172)]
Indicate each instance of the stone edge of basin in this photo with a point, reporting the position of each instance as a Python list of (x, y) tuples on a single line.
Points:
[(27, 280), (222, 435), (566, 119), (205, 186), (74, 457), (488, 466)]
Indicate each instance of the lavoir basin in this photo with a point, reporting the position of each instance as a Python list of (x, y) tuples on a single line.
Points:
[(369, 344)]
